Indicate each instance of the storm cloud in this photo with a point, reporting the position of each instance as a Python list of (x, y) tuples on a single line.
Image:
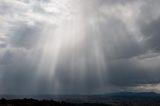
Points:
[(79, 46)]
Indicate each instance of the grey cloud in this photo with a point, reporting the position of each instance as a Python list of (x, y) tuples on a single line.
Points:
[(151, 33), (123, 44), (17, 73), (125, 73), (25, 35), (2, 45)]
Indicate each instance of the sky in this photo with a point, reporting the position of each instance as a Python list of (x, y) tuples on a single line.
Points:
[(79, 46)]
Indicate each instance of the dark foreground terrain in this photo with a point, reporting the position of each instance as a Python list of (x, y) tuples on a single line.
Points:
[(116, 99), (33, 102)]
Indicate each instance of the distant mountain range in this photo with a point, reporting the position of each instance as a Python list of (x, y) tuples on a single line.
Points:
[(139, 94)]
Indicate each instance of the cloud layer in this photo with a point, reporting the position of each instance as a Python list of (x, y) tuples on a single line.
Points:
[(79, 46)]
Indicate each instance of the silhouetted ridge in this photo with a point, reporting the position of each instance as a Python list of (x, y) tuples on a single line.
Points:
[(33, 102)]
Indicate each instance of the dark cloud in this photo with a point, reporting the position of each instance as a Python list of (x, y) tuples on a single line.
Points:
[(151, 33), (126, 73), (116, 34)]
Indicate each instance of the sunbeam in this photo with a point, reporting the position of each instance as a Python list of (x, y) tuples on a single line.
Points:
[(64, 45)]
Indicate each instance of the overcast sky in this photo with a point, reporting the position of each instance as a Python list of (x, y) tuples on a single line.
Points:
[(79, 46)]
